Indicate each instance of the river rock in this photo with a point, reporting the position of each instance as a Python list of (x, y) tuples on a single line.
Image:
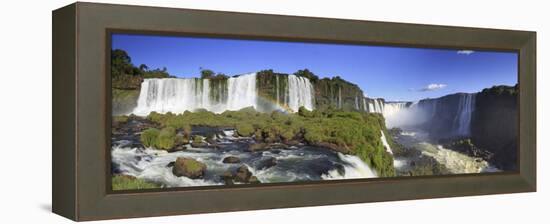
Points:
[(231, 159), (189, 168), (257, 147), (243, 174), (178, 148), (199, 144), (267, 163)]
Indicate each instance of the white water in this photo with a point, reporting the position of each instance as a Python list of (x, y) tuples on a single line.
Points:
[(292, 165), (241, 92), (152, 165), (300, 92), (464, 114), (454, 161), (393, 108), (377, 106), (355, 169), (385, 143), (177, 95)]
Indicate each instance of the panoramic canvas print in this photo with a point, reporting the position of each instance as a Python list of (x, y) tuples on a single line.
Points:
[(196, 111)]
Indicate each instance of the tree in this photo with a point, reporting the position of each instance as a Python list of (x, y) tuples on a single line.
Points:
[(207, 73), (308, 74), (143, 67)]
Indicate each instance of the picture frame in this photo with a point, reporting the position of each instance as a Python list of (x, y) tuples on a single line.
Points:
[(82, 107)]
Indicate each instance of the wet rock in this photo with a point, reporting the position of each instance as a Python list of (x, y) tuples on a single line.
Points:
[(293, 143), (170, 164), (278, 146), (227, 177), (243, 174), (199, 144), (267, 163), (254, 180), (240, 175), (189, 168), (257, 147), (231, 159), (178, 148)]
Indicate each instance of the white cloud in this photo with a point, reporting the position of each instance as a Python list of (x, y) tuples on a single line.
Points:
[(466, 52), (433, 86)]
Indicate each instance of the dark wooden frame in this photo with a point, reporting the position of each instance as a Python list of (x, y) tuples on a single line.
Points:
[(81, 111)]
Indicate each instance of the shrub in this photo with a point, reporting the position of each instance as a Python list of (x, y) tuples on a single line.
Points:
[(166, 138), (198, 139), (245, 129), (149, 137)]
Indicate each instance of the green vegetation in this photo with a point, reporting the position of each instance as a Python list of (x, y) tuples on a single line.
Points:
[(355, 133), (127, 76), (166, 138), (501, 90), (149, 137), (120, 119), (124, 182), (308, 74), (162, 139), (198, 139)]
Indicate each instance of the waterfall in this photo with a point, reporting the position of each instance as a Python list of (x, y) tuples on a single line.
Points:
[(177, 95), (300, 92), (464, 114), (375, 106), (241, 92), (354, 169), (339, 98), (392, 108), (277, 87)]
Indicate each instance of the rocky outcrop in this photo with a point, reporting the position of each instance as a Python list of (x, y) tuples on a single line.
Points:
[(495, 125), (337, 93), (124, 101), (188, 167), (441, 115)]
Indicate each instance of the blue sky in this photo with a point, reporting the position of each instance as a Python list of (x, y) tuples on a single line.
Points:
[(393, 73)]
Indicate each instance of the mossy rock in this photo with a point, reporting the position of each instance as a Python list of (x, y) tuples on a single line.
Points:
[(188, 167)]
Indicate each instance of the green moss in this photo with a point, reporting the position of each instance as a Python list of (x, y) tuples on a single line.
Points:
[(149, 137), (120, 119), (198, 139), (124, 182), (193, 166), (245, 129)]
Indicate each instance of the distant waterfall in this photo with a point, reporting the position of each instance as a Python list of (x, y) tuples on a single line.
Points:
[(241, 92), (392, 108), (375, 106), (177, 95), (464, 114), (300, 93)]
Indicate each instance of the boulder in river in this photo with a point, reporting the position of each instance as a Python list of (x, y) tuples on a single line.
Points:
[(267, 163), (257, 147), (231, 159), (189, 168), (241, 175)]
